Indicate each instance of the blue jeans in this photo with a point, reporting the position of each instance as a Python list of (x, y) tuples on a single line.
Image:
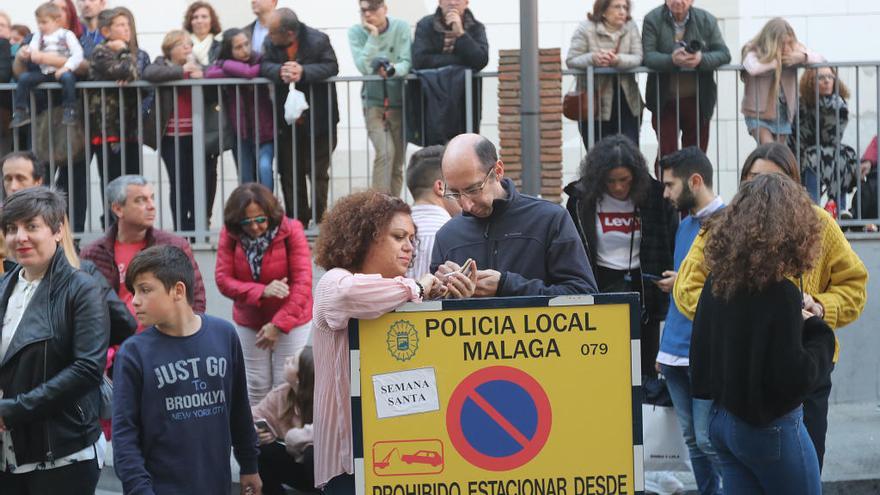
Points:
[(777, 458), (693, 417), (29, 80), (810, 180), (247, 162)]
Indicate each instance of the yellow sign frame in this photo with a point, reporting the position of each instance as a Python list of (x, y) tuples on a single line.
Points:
[(447, 397)]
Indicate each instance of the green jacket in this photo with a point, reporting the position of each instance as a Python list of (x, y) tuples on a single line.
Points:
[(658, 42), (393, 44)]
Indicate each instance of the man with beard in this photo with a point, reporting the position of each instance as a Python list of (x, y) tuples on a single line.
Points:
[(687, 184)]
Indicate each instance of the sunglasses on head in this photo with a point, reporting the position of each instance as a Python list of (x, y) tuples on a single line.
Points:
[(248, 221)]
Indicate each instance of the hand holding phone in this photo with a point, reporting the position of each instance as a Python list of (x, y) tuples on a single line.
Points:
[(263, 425), (460, 283), (467, 267)]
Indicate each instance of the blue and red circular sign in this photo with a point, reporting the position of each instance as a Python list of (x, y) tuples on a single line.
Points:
[(498, 418)]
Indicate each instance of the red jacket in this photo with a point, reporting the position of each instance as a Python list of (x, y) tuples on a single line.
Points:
[(288, 256)]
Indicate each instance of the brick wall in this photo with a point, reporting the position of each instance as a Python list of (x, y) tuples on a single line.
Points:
[(550, 80)]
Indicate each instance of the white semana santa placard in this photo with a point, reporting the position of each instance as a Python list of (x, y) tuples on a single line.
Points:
[(405, 392)]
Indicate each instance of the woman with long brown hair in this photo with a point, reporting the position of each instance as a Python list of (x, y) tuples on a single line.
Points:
[(834, 288), (755, 350), (770, 63)]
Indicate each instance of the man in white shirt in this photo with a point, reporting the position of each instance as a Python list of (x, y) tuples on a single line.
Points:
[(259, 29), (431, 210)]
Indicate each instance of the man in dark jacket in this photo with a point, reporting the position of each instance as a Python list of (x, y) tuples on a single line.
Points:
[(296, 53), (677, 36), (521, 245), (450, 36), (450, 39), (131, 201)]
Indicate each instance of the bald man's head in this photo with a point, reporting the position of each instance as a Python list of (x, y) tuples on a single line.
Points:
[(472, 173), (283, 27)]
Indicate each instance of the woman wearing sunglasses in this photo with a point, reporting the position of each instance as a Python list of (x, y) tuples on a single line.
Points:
[(264, 265)]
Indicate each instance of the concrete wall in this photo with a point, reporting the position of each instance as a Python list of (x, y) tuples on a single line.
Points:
[(856, 377)]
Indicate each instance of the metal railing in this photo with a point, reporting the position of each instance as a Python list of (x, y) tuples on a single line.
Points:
[(350, 164), (137, 135), (730, 141)]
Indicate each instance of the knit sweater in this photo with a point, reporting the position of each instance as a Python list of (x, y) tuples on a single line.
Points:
[(837, 281), (755, 355)]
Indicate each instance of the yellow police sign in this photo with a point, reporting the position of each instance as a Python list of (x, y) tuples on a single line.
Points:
[(518, 396)]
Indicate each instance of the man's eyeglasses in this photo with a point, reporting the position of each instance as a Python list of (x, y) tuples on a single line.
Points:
[(470, 192), (260, 220)]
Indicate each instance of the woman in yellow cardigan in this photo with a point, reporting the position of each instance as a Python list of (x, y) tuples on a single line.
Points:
[(835, 289)]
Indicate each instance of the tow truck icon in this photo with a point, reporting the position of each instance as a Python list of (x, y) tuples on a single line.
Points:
[(421, 457), (429, 457)]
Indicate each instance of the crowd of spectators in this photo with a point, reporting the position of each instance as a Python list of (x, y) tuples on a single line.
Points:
[(681, 43), (281, 366)]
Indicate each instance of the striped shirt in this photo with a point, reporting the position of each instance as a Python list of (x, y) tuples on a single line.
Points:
[(428, 220), (340, 296)]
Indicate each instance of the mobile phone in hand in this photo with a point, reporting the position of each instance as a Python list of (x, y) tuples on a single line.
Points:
[(651, 277), (467, 267), (263, 425)]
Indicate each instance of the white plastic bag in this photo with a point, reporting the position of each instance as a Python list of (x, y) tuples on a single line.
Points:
[(665, 449), (663, 483), (295, 105)]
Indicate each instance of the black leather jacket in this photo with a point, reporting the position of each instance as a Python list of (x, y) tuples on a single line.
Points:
[(52, 370)]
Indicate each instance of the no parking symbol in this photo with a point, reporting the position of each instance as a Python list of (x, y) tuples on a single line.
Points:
[(498, 418)]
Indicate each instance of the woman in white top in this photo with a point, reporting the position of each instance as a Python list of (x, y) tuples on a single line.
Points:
[(628, 230), (203, 25)]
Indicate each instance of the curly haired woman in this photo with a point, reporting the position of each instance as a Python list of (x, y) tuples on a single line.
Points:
[(366, 245), (628, 231), (755, 351), (834, 288)]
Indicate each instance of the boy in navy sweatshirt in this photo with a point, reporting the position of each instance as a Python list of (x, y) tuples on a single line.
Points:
[(180, 397)]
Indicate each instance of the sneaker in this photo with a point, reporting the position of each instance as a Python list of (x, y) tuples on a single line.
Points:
[(69, 117), (20, 118)]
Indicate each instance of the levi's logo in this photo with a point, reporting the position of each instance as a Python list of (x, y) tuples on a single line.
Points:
[(619, 222)]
